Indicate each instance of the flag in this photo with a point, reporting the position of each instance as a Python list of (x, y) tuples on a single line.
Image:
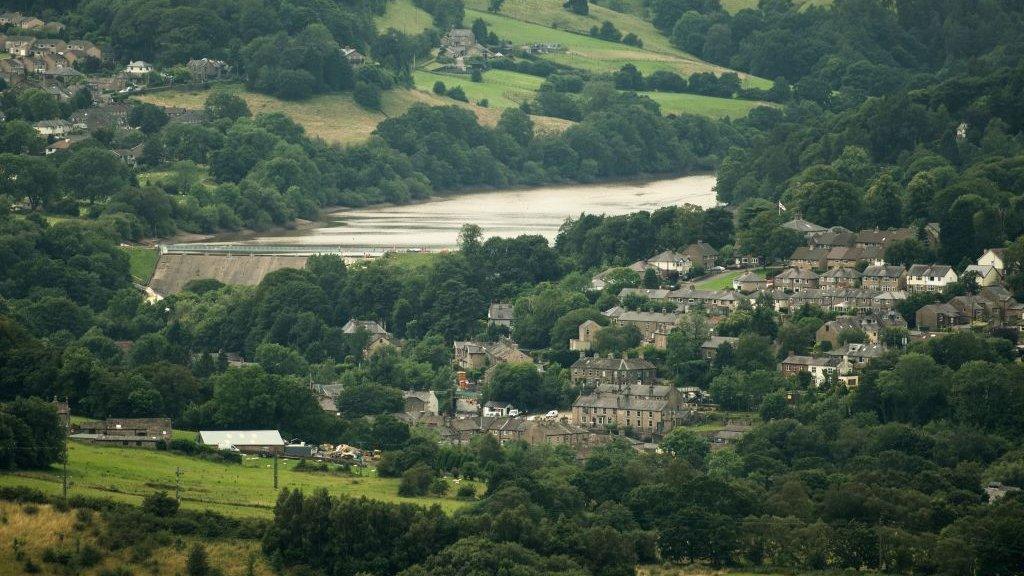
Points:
[(781, 207)]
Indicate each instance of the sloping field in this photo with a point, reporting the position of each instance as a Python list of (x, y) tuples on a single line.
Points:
[(173, 271), (710, 106), (336, 117), (550, 13), (247, 489), (596, 55), (403, 16), (501, 88), (333, 117)]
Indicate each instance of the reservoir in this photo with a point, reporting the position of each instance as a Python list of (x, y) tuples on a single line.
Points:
[(435, 224)]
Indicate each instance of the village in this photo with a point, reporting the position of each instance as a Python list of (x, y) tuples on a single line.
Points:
[(621, 396)]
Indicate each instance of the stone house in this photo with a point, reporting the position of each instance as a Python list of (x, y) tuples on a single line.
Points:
[(55, 128), (702, 253), (587, 331), (749, 283), (871, 324), (593, 371), (938, 317), (500, 314), (840, 278), (420, 402), (834, 237), (849, 257), (709, 349), (884, 278), (882, 238), (132, 432), (797, 279), (87, 47), (646, 409), (930, 277), (820, 368), (807, 258), (648, 323), (204, 69), (802, 226)]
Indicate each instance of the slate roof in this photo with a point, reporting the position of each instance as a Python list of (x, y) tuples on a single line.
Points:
[(930, 270), (604, 363), (801, 225)]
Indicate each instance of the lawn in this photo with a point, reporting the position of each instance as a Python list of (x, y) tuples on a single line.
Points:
[(724, 281), (129, 474), (142, 261), (409, 261), (501, 88), (703, 105), (403, 16), (596, 55)]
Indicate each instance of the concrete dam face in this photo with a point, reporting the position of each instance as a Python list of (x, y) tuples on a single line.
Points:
[(174, 271)]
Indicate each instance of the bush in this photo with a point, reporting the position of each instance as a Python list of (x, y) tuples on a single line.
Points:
[(484, 103), (465, 492), (159, 504), (476, 75), (367, 95), (458, 93), (416, 481), (439, 487), (440, 88)]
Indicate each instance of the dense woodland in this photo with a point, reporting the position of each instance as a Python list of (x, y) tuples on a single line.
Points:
[(891, 117)]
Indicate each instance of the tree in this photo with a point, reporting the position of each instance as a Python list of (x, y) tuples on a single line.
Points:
[(882, 202), (197, 563), (93, 174), (31, 177), (629, 78), (368, 95), (147, 117), (617, 339), (278, 359), (220, 104), (416, 481), (440, 88), (688, 446), (580, 7), (368, 399), (519, 383)]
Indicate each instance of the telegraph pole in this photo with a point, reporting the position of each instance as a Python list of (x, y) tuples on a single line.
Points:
[(275, 471), (64, 479), (177, 483)]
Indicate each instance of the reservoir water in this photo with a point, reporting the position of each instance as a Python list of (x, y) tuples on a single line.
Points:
[(508, 213)]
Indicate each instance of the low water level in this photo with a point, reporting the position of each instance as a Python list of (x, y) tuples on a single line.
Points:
[(507, 213)]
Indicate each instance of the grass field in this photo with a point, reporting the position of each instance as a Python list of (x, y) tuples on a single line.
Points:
[(501, 88), (596, 55), (734, 6), (142, 261), (129, 474), (403, 16), (703, 105), (333, 117)]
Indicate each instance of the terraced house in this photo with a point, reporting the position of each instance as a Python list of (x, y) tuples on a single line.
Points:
[(593, 371), (646, 410)]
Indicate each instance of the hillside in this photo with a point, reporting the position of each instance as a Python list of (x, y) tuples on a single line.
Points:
[(734, 6), (336, 117), (127, 474), (595, 55), (403, 16)]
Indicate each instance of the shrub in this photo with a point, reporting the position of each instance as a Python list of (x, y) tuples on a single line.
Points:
[(416, 481), (440, 88), (465, 492), (367, 95), (458, 93), (484, 103), (439, 487), (476, 75), (159, 504)]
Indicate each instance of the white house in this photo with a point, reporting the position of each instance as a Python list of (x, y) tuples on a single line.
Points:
[(930, 277), (988, 275), (59, 128), (669, 261), (500, 409), (994, 257), (138, 68)]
